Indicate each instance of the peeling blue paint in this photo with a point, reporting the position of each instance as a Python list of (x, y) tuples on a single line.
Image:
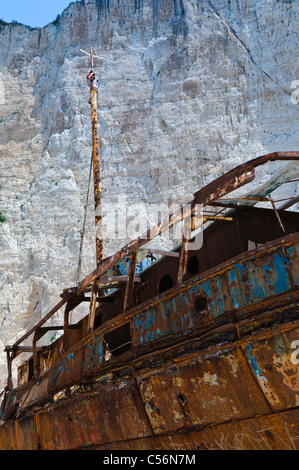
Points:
[(244, 294), (234, 292), (254, 364), (213, 380), (280, 264), (94, 353), (258, 289), (194, 289), (144, 324), (276, 274), (68, 358), (206, 287), (238, 287), (123, 266)]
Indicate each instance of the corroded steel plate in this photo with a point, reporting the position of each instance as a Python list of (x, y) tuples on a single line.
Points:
[(113, 412), (214, 388), (276, 372), (274, 432)]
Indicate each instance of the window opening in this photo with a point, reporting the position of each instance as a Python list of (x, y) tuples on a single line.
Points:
[(193, 265), (165, 283), (119, 340)]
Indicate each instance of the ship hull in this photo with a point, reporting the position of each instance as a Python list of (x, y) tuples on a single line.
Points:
[(239, 394)]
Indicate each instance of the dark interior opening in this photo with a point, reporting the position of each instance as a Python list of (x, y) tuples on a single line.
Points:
[(193, 265), (119, 340), (165, 283), (97, 321), (200, 303), (30, 368)]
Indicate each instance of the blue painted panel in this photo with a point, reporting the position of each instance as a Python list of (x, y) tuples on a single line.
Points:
[(238, 287), (93, 353), (258, 371)]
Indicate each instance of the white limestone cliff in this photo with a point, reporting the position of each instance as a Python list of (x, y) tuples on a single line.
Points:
[(188, 89)]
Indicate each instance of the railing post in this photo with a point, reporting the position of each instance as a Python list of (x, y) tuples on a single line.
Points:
[(36, 359), (128, 300), (9, 367), (66, 327), (93, 305)]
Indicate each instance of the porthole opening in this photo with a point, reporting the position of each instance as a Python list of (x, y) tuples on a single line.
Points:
[(165, 283), (193, 266), (200, 303)]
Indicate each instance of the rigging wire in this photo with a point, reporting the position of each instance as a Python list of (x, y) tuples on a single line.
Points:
[(78, 271)]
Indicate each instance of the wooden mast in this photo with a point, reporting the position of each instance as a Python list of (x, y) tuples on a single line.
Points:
[(93, 79)]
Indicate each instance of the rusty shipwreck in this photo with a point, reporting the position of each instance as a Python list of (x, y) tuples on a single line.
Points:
[(197, 350)]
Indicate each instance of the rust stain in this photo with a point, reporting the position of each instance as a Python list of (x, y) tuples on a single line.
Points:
[(276, 432)]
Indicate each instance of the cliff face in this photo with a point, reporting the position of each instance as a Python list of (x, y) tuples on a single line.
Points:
[(188, 89)]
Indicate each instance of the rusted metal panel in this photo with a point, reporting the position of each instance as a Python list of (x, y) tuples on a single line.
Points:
[(7, 435), (64, 426), (230, 290), (112, 412), (93, 354), (26, 434), (292, 254), (201, 391), (273, 432), (23, 373), (271, 363), (160, 320), (11, 400), (194, 394), (66, 369), (37, 391), (19, 435), (259, 278)]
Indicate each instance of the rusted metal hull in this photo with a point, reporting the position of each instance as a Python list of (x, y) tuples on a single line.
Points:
[(239, 395), (278, 431), (221, 378), (263, 282)]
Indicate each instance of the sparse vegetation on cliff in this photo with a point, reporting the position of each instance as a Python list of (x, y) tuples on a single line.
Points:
[(2, 218)]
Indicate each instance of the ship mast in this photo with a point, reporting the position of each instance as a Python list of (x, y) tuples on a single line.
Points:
[(93, 79)]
